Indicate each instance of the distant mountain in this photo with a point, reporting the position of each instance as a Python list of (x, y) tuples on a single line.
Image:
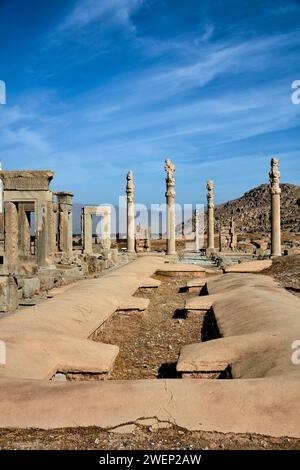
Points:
[(251, 212)]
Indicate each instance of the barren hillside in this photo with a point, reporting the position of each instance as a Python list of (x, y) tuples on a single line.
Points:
[(251, 212)]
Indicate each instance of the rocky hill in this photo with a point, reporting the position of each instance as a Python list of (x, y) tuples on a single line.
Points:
[(251, 212)]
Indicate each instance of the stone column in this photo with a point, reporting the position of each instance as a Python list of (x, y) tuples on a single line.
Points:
[(11, 233), (220, 238), (148, 240), (106, 229), (65, 222), (87, 230), (130, 213), (210, 216), (233, 236), (42, 233), (197, 245), (54, 227), (170, 199), (24, 229), (274, 176)]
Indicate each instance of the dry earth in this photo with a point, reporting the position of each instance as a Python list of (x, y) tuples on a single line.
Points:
[(286, 270), (150, 341), (143, 439), (149, 345)]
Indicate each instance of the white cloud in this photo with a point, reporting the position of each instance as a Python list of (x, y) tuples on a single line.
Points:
[(24, 137), (105, 12)]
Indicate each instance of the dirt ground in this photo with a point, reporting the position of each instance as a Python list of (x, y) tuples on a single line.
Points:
[(173, 438), (286, 270), (149, 345), (150, 341)]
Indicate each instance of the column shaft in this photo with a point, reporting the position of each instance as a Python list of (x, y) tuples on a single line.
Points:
[(130, 213), (210, 216), (275, 225), (24, 230), (171, 234), (170, 199), (274, 177), (11, 230), (87, 234)]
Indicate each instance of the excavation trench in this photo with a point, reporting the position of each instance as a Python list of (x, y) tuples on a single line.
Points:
[(150, 340)]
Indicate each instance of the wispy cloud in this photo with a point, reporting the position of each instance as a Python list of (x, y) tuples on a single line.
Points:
[(103, 12), (210, 100)]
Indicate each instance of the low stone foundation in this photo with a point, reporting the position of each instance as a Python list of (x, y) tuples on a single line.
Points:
[(79, 376)]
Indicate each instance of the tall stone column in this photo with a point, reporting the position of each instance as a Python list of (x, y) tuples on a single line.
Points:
[(130, 213), (54, 226), (24, 229), (220, 238), (106, 228), (197, 244), (210, 216), (233, 236), (87, 231), (11, 234), (65, 229), (274, 176), (41, 219), (170, 199)]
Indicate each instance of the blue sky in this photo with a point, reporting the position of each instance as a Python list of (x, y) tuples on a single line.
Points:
[(98, 87)]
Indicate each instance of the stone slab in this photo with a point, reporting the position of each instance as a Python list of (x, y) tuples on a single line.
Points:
[(135, 303), (262, 406), (204, 302), (249, 266), (258, 323), (33, 335)]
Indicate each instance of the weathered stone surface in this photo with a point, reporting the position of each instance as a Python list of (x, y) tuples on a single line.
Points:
[(30, 287), (52, 336), (249, 266), (11, 233), (87, 229), (8, 294), (29, 180), (65, 222)]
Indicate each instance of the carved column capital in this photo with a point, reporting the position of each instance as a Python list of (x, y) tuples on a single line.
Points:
[(170, 180), (210, 194), (274, 177), (130, 187)]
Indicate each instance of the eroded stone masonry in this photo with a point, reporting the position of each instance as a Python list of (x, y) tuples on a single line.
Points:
[(37, 246), (39, 250), (152, 320)]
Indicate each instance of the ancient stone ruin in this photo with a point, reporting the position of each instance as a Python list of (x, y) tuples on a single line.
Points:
[(115, 315)]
